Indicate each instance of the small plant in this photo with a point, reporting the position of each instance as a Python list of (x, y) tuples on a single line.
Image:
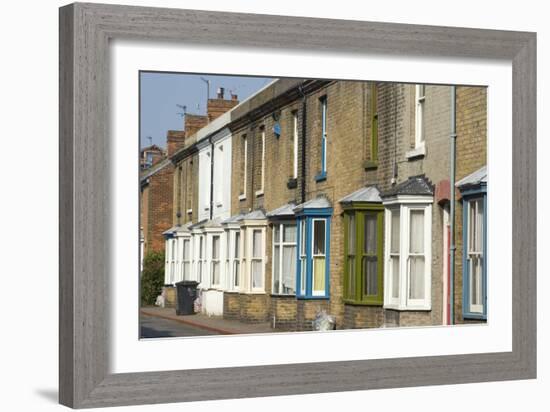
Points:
[(152, 277)]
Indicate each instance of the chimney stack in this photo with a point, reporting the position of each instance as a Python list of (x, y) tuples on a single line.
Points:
[(218, 106)]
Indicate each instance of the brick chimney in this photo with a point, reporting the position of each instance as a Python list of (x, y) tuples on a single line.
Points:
[(175, 140), (194, 122), (218, 106)]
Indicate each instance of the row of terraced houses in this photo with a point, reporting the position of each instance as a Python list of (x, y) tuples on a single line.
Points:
[(364, 199)]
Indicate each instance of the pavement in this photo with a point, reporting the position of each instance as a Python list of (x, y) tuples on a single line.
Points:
[(158, 320)]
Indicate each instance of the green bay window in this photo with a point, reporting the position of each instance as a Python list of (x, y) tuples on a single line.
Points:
[(363, 247)]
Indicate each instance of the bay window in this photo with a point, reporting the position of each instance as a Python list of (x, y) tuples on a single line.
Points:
[(284, 259), (473, 189), (363, 247), (312, 274), (408, 221)]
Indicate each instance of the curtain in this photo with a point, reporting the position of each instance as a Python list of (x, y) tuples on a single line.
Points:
[(319, 274), (289, 269)]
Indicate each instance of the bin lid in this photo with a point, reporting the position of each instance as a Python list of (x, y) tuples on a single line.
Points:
[(187, 283)]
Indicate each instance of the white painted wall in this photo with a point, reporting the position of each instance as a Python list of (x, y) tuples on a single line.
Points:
[(204, 183), (222, 176)]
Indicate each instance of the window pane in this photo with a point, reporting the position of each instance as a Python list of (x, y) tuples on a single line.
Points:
[(303, 237), (276, 234), (276, 268), (351, 235), (319, 237), (257, 281), (215, 273), (186, 269), (351, 276), (256, 243), (319, 274), (395, 277), (237, 244), (370, 234), (416, 279), (289, 269), (215, 247), (186, 249), (303, 274), (476, 286), (370, 275), (236, 273), (394, 231), (417, 231), (289, 233)]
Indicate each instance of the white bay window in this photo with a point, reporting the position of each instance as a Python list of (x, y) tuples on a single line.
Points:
[(284, 258)]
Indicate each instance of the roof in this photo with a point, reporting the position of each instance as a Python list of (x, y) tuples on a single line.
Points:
[(257, 214), (476, 178), (207, 223), (369, 194), (284, 210), (320, 202), (414, 185), (233, 219), (154, 169), (178, 229)]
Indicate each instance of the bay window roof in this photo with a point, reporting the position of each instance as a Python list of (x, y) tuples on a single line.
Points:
[(257, 214), (235, 219), (286, 210), (369, 194), (413, 186), (478, 178), (207, 224), (177, 229), (320, 202)]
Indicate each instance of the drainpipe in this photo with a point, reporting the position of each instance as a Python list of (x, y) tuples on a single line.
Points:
[(304, 126), (453, 200), (211, 177)]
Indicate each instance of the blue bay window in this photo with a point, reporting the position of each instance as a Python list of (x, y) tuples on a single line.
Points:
[(473, 189), (313, 258)]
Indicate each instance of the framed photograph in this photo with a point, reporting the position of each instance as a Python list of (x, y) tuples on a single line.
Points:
[(256, 205)]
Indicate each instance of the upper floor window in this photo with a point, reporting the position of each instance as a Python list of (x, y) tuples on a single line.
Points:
[(324, 138), (374, 123), (284, 258), (244, 153), (295, 145), (419, 130), (260, 191)]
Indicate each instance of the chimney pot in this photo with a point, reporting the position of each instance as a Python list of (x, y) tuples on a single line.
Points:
[(234, 96), (220, 92)]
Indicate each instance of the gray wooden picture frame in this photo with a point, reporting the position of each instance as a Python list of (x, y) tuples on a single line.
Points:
[(85, 31)]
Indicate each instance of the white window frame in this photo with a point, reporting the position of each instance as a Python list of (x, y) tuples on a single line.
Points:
[(260, 192), (420, 108), (405, 206), (478, 201), (201, 257), (295, 145), (313, 256), (246, 279), (282, 244)]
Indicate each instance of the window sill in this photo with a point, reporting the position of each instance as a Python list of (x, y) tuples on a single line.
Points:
[(370, 164), (408, 308), (259, 193), (242, 197), (311, 297), (189, 211), (416, 153), (219, 204), (474, 316), (321, 177), (363, 303), (280, 295)]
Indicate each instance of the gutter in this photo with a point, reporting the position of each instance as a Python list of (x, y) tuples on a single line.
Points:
[(211, 176), (452, 208)]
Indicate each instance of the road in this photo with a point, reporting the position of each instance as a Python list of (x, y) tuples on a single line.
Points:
[(153, 327)]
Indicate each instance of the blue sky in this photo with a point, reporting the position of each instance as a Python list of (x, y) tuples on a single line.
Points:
[(162, 92)]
